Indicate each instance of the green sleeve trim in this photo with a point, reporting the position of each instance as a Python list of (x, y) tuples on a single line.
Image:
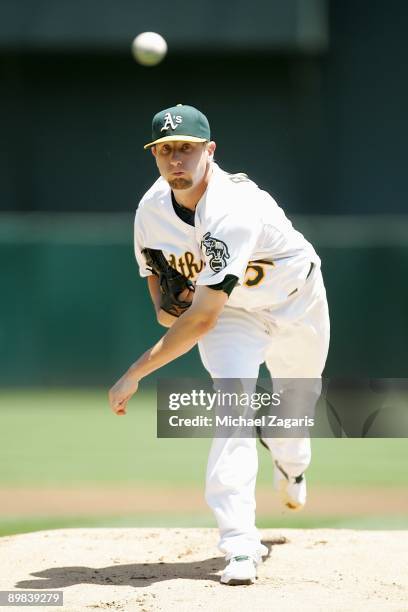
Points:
[(226, 285)]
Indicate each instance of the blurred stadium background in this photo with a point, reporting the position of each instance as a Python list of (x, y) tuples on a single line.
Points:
[(308, 97)]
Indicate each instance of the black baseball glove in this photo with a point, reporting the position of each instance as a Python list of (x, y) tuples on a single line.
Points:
[(172, 283)]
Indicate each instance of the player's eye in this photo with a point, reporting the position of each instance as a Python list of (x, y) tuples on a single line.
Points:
[(186, 146)]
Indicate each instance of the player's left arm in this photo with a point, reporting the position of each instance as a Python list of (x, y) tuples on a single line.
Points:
[(202, 316), (163, 318)]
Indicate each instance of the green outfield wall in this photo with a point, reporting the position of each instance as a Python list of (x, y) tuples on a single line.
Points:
[(292, 25), (74, 311), (324, 131), (308, 97)]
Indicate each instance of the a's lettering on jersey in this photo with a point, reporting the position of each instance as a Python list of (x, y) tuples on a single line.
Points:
[(216, 250), (186, 265)]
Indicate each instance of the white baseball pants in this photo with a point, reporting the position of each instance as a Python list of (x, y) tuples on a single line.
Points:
[(293, 341)]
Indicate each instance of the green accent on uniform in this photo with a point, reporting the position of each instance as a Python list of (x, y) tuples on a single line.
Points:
[(226, 285), (241, 558), (179, 121), (183, 213)]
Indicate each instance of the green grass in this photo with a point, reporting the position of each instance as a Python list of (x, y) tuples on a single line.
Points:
[(70, 438), (15, 525)]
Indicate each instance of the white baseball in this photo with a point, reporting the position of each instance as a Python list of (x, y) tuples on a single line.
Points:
[(149, 48)]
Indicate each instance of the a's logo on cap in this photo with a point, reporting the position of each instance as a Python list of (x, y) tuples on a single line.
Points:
[(169, 123)]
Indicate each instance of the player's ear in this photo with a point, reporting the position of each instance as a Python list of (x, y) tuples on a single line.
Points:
[(153, 150), (211, 146)]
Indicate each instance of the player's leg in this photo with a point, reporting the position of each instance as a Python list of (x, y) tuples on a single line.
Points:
[(298, 350), (234, 349)]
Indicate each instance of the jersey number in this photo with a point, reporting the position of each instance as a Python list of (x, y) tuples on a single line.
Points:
[(255, 272), (254, 275)]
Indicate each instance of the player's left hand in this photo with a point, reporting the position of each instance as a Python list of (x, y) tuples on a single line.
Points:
[(120, 394)]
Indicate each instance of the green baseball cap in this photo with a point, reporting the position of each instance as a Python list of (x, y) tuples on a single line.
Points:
[(179, 122)]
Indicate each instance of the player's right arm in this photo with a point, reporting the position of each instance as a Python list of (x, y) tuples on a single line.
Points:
[(194, 323)]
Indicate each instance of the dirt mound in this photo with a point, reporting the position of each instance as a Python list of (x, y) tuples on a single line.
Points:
[(178, 569)]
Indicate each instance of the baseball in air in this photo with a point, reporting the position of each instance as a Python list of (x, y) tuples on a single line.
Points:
[(149, 48)]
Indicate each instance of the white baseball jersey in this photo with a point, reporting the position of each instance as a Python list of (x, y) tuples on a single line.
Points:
[(238, 230)]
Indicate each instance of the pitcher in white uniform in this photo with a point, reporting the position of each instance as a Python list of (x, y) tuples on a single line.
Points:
[(259, 297)]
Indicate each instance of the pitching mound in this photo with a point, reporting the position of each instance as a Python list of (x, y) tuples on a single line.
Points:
[(178, 569)]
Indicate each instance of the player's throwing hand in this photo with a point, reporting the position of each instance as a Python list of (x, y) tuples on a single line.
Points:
[(120, 394)]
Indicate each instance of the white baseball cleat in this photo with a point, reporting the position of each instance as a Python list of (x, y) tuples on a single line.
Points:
[(240, 570), (292, 490)]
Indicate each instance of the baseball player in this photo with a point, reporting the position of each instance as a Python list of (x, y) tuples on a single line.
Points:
[(255, 294)]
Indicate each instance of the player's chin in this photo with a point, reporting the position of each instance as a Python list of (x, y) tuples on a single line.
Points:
[(180, 183)]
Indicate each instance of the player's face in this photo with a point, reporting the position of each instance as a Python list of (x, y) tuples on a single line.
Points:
[(183, 164)]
